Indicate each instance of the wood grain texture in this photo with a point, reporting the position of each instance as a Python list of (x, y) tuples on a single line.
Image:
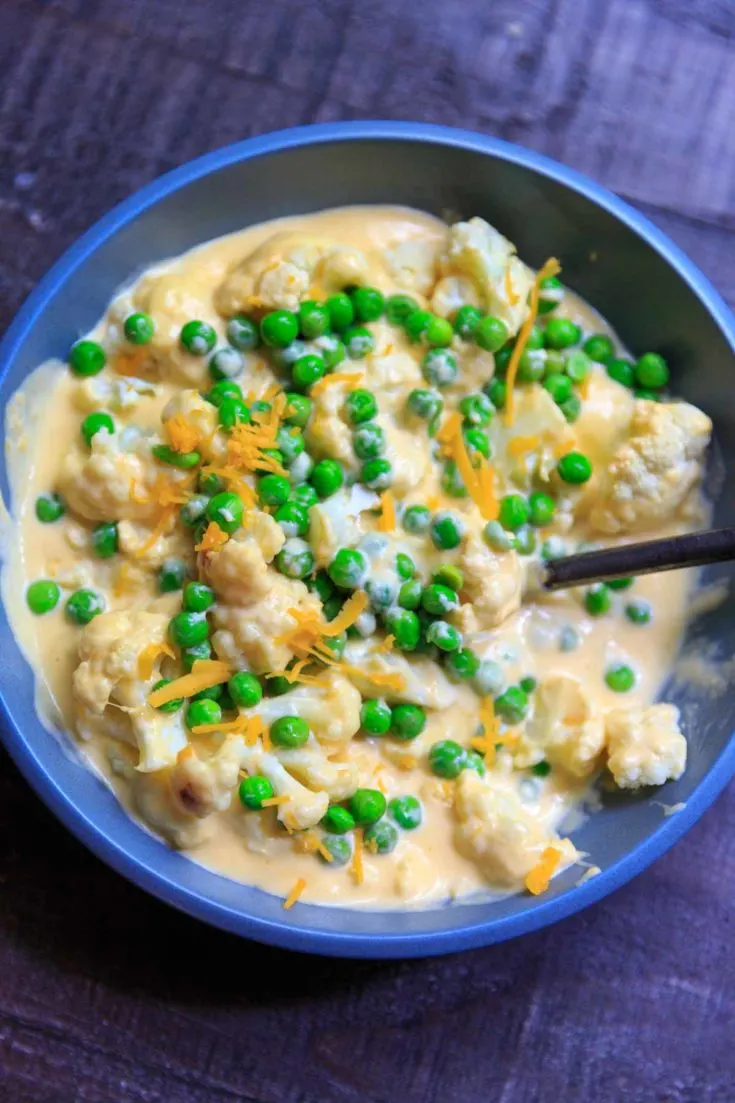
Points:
[(107, 996)]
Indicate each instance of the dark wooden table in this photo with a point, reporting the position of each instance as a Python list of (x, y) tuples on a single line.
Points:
[(105, 995)]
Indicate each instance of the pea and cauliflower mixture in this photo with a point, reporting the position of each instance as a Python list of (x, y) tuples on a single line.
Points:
[(282, 530)]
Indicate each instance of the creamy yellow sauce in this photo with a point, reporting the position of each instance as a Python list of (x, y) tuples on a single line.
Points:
[(436, 861)]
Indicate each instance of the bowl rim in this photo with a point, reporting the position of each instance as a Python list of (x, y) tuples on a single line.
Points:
[(283, 933)]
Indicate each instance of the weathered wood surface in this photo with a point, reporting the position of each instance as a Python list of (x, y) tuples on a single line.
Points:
[(107, 996)]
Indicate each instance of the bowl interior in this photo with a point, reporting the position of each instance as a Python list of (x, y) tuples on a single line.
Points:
[(632, 283)]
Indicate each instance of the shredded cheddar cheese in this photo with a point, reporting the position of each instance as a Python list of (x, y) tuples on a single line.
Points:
[(550, 268), (479, 482), (387, 519), (214, 538), (386, 645), (272, 802), (183, 435), (510, 292), (539, 879), (241, 725), (294, 894), (357, 869), (353, 379), (147, 659), (519, 446), (204, 674)]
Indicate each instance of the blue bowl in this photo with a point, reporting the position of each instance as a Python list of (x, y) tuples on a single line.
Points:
[(611, 255)]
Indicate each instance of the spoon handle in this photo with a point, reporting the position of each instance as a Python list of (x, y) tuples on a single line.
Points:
[(694, 549)]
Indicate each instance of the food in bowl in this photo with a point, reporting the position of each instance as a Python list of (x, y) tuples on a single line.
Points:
[(281, 523)]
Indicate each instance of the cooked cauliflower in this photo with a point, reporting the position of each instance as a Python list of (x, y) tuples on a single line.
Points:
[(335, 522), (499, 833), (249, 635), (412, 264), (97, 482), (304, 808), (409, 456), (392, 374), (118, 394), (530, 447), (493, 585), (156, 801), (332, 710), (327, 433), (653, 471), (239, 571), (205, 785), (499, 281), (201, 416), (566, 727), (645, 746), (423, 682), (109, 650), (280, 273), (310, 765)]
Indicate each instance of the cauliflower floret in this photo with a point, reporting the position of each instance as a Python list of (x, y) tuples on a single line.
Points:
[(566, 727), (109, 648), (423, 682), (239, 571), (498, 833), (304, 808), (96, 482), (652, 472), (493, 583), (451, 293), (331, 710), (412, 264), (205, 785), (327, 434), (391, 374), (168, 545), (310, 765), (645, 746), (202, 416), (155, 800), (409, 456), (501, 282), (115, 394), (249, 635), (531, 445), (280, 272), (335, 522)]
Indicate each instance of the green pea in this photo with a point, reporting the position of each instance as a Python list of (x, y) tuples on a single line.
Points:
[(42, 596), (448, 574), (348, 568), (188, 629), (295, 559), (597, 599), (360, 406), (560, 387), (327, 478), (416, 324), (452, 482), (462, 665), (409, 595), (87, 358), (447, 759), (525, 541), (438, 599), (599, 347), (245, 689), (314, 319), (444, 635), (83, 606), (262, 467), (439, 367), (438, 333), (424, 404), (191, 655), (650, 396), (381, 838), (332, 607), (406, 811), (273, 490), (304, 496), (571, 408), (638, 612), (289, 731), (367, 806), (192, 512), (377, 474), (243, 333), (515, 512), (104, 539), (497, 392), (407, 721), (620, 679), (551, 293), (172, 576), (497, 537), (226, 510), (477, 410), (511, 706), (331, 350), (277, 686), (528, 684), (375, 717), (183, 460), (531, 366), (446, 530), (307, 370), (49, 508), (368, 441), (139, 328), (368, 303), (574, 468), (279, 328), (502, 360), (212, 693), (298, 410), (338, 847), (293, 519), (541, 769), (290, 443), (577, 366), (198, 597), (405, 566), (253, 791), (198, 338), (341, 311), (620, 583), (404, 626), (542, 508), (651, 371), (169, 706), (416, 519), (232, 412), (477, 442), (338, 820), (96, 423), (398, 308), (491, 333), (622, 371), (466, 320), (222, 389), (561, 333), (490, 678), (225, 363), (203, 711), (359, 342)]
